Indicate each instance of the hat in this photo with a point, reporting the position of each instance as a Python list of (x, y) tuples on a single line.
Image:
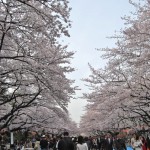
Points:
[(43, 136)]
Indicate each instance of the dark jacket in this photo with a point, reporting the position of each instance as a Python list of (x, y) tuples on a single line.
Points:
[(44, 144), (109, 144), (103, 144), (66, 144), (119, 144)]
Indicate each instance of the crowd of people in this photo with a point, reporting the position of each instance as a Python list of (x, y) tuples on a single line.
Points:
[(98, 142), (107, 142), (140, 142)]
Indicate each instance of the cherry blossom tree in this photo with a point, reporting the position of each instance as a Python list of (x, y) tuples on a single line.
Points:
[(33, 63), (42, 117), (120, 93)]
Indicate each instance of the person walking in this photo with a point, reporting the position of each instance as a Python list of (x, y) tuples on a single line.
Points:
[(81, 145), (88, 142), (137, 145), (119, 143), (33, 141), (37, 144), (148, 143), (44, 143), (109, 142), (66, 143), (144, 143), (133, 140)]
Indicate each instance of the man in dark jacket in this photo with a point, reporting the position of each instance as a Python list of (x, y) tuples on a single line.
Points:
[(119, 143), (44, 143), (66, 143), (108, 142)]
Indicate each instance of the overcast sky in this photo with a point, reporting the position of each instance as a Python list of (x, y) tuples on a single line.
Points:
[(92, 22)]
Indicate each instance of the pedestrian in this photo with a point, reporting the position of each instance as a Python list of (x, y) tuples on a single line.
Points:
[(137, 145), (144, 143), (58, 140), (37, 144), (119, 143), (88, 142), (109, 142), (133, 140), (81, 145), (44, 143), (52, 143), (66, 142), (33, 142), (148, 143)]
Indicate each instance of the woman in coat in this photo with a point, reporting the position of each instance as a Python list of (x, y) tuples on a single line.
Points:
[(81, 145)]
